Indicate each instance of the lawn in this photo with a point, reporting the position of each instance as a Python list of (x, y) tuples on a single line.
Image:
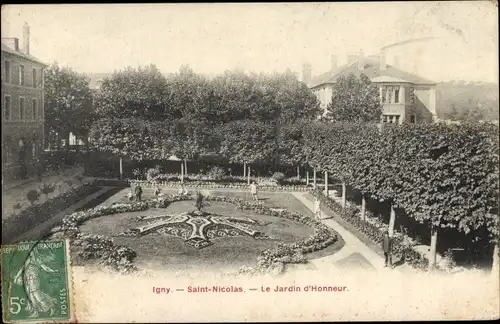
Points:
[(156, 251)]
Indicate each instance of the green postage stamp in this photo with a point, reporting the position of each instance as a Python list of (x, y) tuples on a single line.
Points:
[(37, 282)]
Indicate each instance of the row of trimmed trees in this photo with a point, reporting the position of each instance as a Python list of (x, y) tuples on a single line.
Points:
[(143, 114), (444, 176)]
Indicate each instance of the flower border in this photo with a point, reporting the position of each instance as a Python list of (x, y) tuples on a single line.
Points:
[(373, 229)]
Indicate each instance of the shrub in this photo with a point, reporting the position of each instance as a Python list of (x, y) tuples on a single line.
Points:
[(47, 189), (153, 173), (216, 173), (33, 196), (138, 174), (278, 177)]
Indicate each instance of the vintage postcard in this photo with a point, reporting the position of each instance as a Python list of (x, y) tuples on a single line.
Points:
[(253, 162)]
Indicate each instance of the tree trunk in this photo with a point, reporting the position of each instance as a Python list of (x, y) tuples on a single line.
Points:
[(326, 183), (185, 167), (363, 207), (182, 172), (317, 208), (392, 221), (58, 142), (495, 267), (432, 258), (344, 191), (249, 171), (307, 178), (298, 172), (244, 169), (314, 179), (121, 168)]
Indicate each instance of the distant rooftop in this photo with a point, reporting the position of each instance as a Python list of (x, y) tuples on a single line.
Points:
[(371, 70)]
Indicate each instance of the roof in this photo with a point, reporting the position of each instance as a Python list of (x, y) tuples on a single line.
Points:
[(371, 70), (28, 57), (95, 78)]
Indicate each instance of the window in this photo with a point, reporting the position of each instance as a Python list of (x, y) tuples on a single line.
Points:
[(396, 96), (21, 74), (6, 110), (413, 119), (412, 95), (34, 79), (33, 150), (388, 97), (7, 149), (33, 109), (396, 119), (384, 94), (7, 71), (21, 108)]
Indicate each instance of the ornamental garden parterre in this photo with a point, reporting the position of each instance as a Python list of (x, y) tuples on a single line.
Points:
[(197, 229)]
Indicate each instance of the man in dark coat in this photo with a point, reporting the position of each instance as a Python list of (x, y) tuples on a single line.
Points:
[(138, 192), (387, 247)]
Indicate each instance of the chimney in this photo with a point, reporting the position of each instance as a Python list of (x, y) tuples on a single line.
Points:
[(361, 61), (26, 38), (333, 62), (12, 43), (396, 61), (351, 58), (382, 60), (306, 73)]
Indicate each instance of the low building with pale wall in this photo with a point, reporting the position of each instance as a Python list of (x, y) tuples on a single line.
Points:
[(405, 97)]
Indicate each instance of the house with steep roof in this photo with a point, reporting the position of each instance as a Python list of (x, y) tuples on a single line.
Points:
[(405, 97), (22, 105)]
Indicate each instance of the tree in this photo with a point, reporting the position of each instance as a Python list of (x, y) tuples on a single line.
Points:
[(136, 138), (354, 100), (291, 143), (135, 93), (32, 196), (68, 102), (247, 141), (47, 189)]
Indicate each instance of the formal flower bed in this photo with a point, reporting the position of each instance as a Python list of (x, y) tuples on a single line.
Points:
[(225, 179), (17, 224), (274, 260), (218, 185), (119, 258), (196, 184), (373, 228)]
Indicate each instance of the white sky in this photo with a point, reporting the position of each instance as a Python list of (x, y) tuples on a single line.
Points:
[(262, 37)]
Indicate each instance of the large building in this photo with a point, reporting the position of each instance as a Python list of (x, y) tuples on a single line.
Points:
[(405, 97), (22, 104)]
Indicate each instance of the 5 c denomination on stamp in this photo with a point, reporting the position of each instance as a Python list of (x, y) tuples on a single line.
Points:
[(36, 282)]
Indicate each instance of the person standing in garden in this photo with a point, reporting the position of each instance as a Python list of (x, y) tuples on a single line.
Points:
[(387, 247), (253, 191), (157, 190), (138, 192), (130, 194)]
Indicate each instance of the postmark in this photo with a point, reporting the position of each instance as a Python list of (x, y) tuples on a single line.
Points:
[(37, 282)]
